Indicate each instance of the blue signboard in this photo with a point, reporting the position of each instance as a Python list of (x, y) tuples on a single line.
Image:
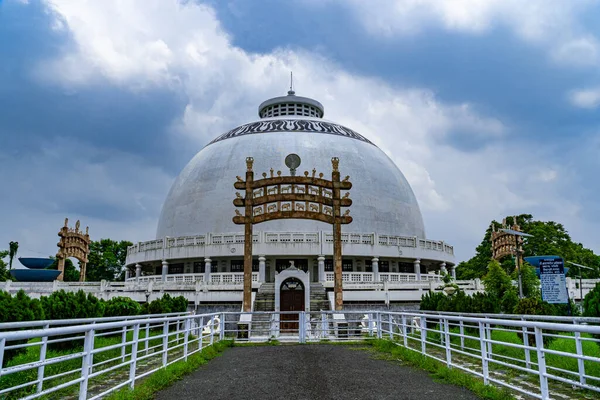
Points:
[(554, 283)]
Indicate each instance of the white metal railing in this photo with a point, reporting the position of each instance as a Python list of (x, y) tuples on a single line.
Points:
[(290, 237), (548, 356), (119, 352)]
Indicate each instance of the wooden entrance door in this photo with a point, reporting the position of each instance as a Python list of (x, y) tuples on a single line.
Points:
[(292, 299)]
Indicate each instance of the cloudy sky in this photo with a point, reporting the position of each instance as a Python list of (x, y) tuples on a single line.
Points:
[(489, 107)]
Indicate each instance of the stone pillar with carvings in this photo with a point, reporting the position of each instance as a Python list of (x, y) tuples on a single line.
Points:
[(443, 269), (375, 267), (262, 269), (138, 272), (417, 265), (453, 272), (207, 270), (321, 268), (165, 270)]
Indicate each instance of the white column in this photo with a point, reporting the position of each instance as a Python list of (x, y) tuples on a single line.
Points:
[(207, 270), (165, 270), (375, 267), (453, 272), (417, 264), (127, 273), (262, 269), (321, 268), (138, 271), (443, 269)]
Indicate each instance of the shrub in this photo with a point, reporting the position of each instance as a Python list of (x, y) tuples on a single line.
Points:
[(591, 302), (64, 305), (16, 309), (167, 304), (121, 306)]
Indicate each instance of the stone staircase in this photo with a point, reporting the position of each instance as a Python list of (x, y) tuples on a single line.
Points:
[(318, 298), (265, 301)]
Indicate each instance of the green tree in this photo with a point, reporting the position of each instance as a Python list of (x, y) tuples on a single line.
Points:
[(549, 238), (496, 281), (591, 302), (3, 272), (13, 248), (529, 280), (71, 274), (106, 259)]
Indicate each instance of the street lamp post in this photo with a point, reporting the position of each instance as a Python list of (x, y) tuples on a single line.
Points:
[(579, 266), (518, 250)]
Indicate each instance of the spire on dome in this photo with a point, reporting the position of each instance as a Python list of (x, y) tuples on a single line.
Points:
[(291, 105), (291, 91)]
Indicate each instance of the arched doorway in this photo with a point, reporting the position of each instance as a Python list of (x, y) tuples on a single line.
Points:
[(292, 299)]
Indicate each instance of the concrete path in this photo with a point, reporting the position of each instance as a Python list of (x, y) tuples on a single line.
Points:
[(308, 372)]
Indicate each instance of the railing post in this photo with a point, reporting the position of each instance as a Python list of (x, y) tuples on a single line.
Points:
[(404, 338), (123, 341), (212, 329), (324, 326), (390, 324), (186, 332), (580, 363), (370, 322), (541, 356), (379, 334), (2, 345), (423, 323), (165, 342), (462, 334), (447, 340), (147, 342), (201, 338), (301, 327), (483, 347), (88, 346), (134, 350), (43, 349), (490, 352), (222, 330), (526, 343)]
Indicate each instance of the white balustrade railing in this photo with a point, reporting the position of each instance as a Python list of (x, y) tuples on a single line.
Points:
[(391, 277), (290, 237), (216, 278), (550, 356), (228, 278)]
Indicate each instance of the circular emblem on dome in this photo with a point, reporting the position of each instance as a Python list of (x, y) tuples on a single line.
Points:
[(292, 161), (232, 250)]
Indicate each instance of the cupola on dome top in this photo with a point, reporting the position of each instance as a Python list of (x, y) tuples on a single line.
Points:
[(291, 105)]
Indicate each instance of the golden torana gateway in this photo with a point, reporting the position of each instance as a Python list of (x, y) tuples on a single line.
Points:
[(293, 197)]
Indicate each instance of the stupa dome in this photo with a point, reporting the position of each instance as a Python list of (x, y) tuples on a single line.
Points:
[(200, 200)]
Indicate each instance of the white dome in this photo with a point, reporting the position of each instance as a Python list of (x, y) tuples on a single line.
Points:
[(201, 199)]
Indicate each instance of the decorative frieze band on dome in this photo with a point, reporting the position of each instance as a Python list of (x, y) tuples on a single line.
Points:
[(294, 125)]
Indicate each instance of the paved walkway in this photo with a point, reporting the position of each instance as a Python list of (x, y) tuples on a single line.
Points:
[(308, 372)]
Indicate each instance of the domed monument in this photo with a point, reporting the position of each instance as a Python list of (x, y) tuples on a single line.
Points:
[(197, 241)]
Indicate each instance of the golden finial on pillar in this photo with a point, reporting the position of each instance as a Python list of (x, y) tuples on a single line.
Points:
[(335, 162), (249, 162)]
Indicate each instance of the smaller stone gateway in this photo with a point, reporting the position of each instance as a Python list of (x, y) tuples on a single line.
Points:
[(73, 243)]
